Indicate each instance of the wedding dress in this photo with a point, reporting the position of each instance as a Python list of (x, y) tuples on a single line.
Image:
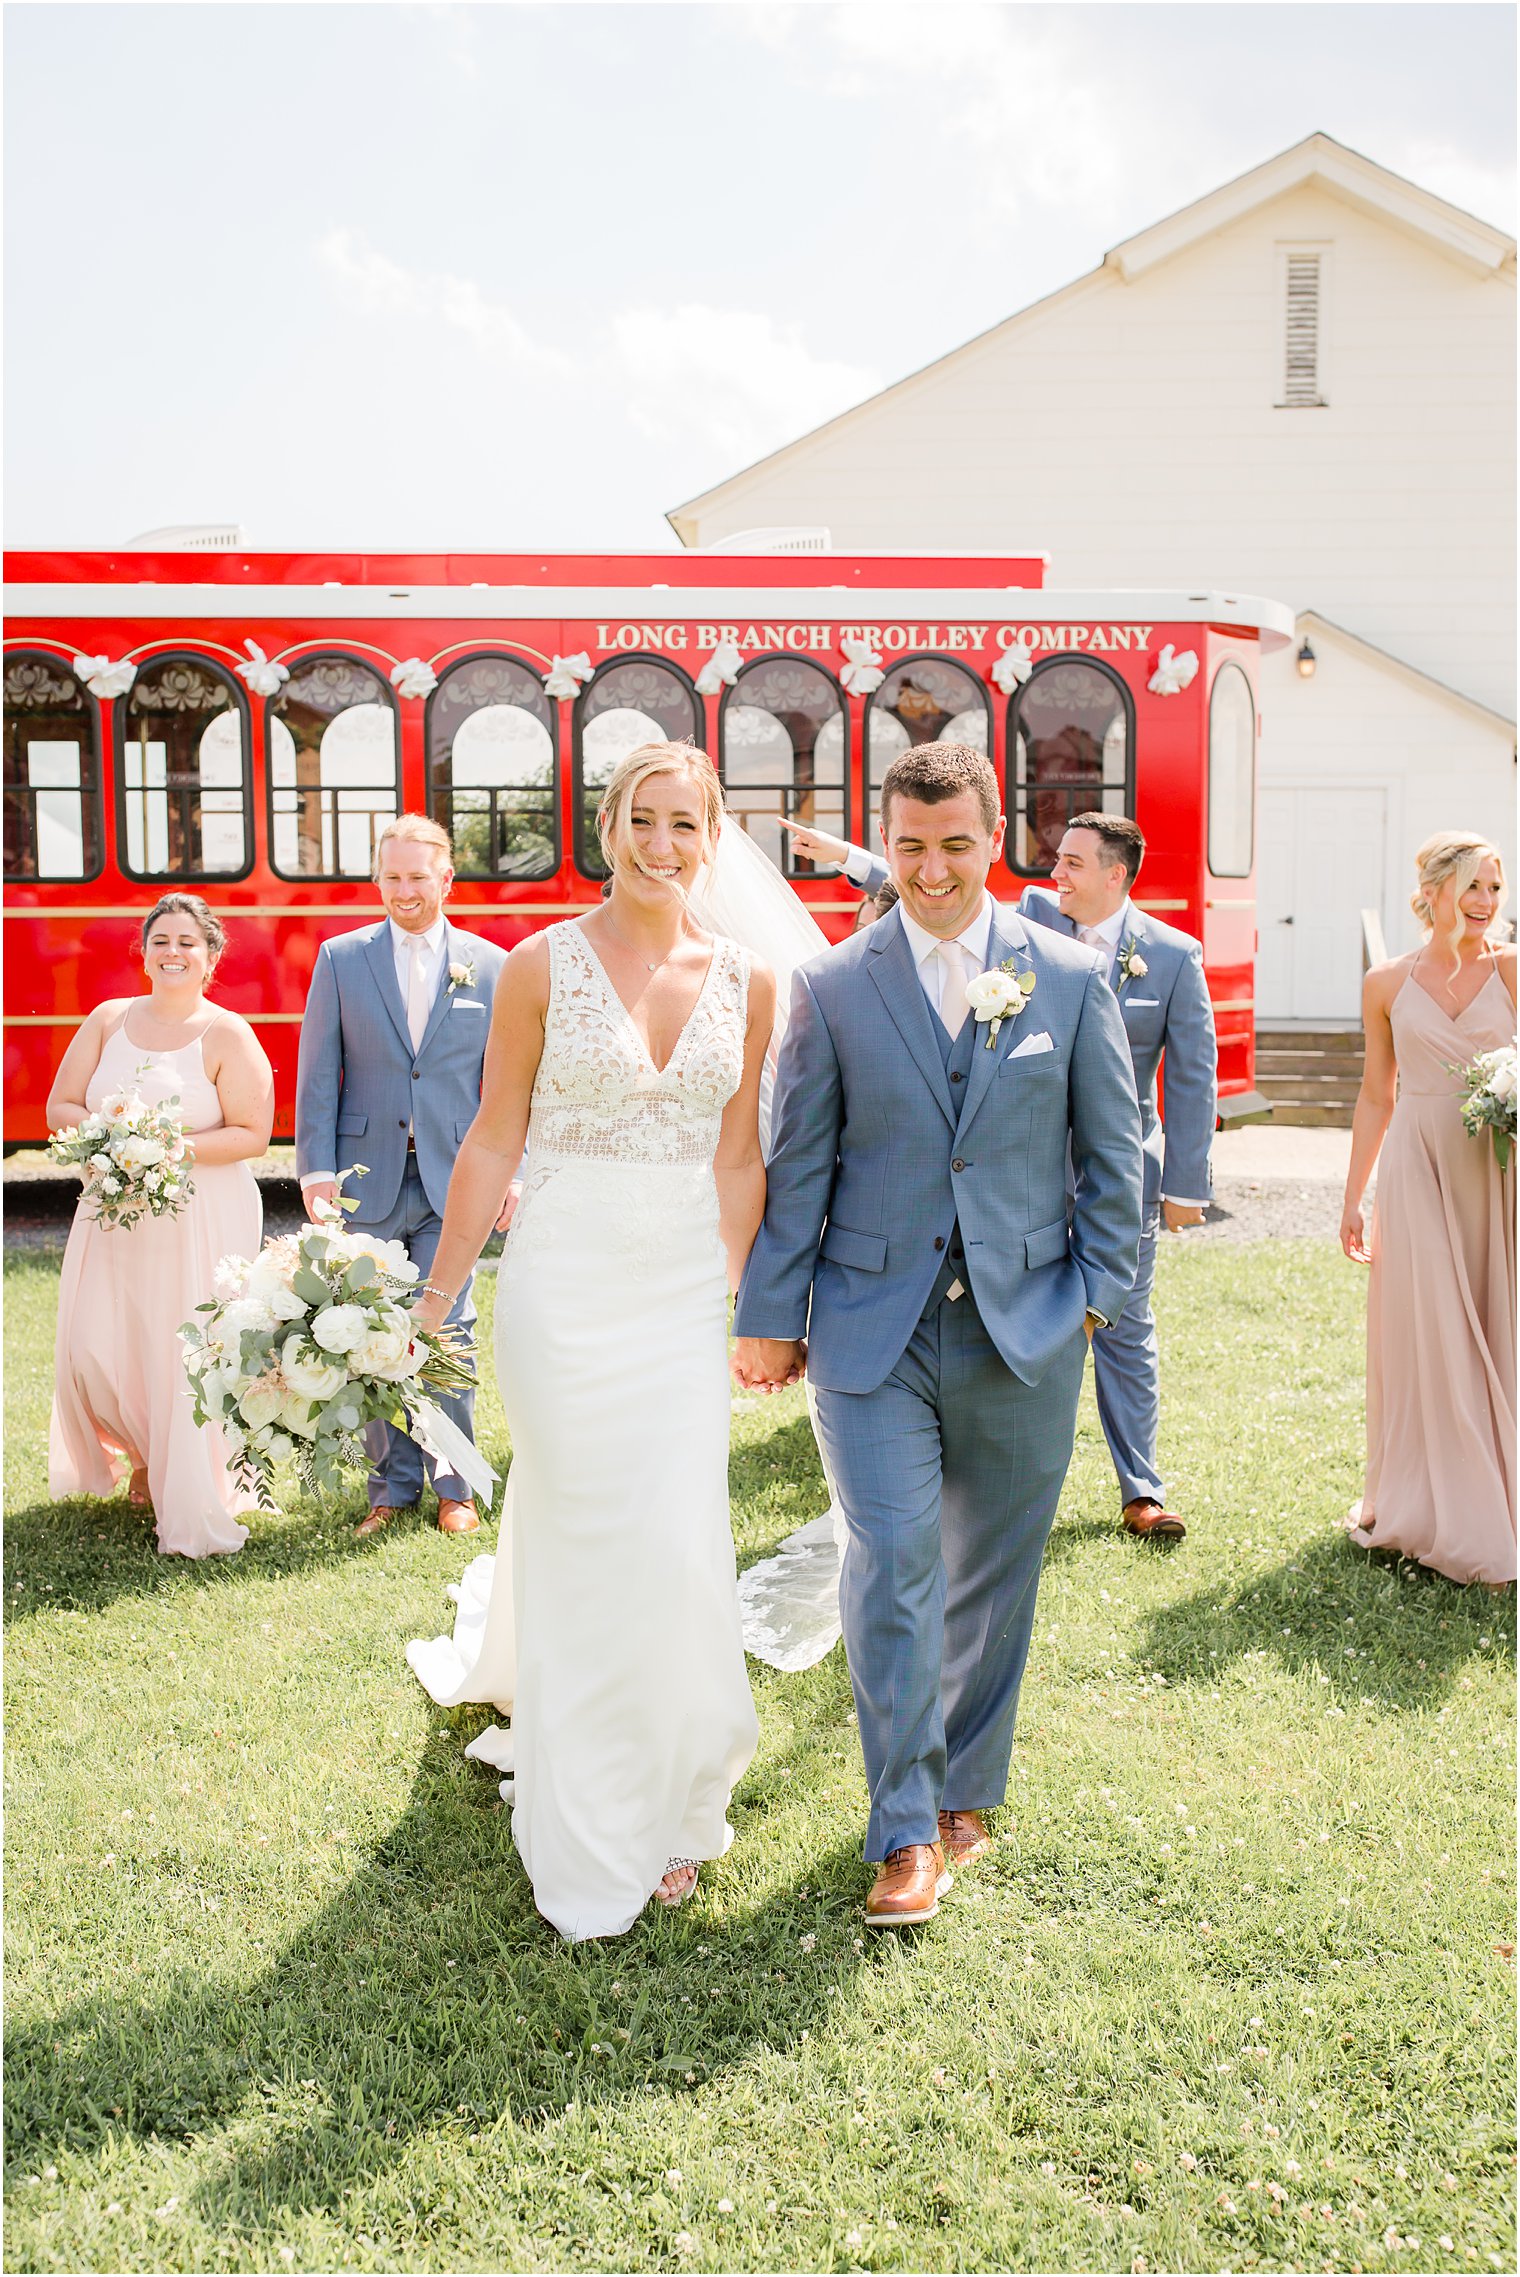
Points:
[(631, 1711)]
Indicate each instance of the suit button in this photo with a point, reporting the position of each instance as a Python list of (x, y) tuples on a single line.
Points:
[(957, 1164), (415, 1073), (401, 1123), (939, 1241), (957, 1077)]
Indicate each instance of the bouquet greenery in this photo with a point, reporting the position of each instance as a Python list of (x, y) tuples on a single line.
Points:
[(1490, 1101)]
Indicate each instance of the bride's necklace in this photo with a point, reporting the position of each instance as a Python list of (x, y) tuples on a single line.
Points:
[(633, 952)]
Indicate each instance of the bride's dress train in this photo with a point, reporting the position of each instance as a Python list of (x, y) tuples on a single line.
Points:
[(613, 1628)]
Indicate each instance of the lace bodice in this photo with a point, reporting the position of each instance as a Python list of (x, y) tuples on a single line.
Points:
[(598, 1095)]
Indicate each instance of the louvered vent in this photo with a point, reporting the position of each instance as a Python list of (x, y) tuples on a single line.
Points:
[(1301, 362)]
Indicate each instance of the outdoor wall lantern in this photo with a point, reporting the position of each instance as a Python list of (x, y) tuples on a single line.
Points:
[(1306, 662)]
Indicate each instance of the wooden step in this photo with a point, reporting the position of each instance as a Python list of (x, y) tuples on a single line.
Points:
[(1276, 1064), (1295, 1111), (1312, 1090)]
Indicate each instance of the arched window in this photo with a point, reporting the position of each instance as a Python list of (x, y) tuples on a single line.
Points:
[(1070, 746), (490, 747), (637, 700), (183, 789), (1232, 774), (334, 768), (782, 735), (52, 771), (925, 699)]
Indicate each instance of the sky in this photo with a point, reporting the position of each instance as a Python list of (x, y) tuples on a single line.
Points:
[(399, 277)]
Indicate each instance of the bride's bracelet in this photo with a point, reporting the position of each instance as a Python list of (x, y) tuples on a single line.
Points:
[(431, 1289)]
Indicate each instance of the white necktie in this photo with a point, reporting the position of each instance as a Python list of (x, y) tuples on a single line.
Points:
[(416, 993), (952, 985), (1093, 936)]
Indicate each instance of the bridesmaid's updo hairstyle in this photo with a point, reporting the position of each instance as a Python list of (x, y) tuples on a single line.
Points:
[(615, 814), (1455, 854), (205, 920)]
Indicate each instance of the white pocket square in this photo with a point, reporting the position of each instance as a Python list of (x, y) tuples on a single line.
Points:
[(1031, 1045), (467, 1004), (1143, 1003)]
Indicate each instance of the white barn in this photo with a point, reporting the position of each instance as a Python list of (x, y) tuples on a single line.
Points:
[(1301, 385)]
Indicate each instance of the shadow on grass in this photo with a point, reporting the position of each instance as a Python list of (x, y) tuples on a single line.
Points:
[(1325, 1614), (427, 1996), (95, 1553)]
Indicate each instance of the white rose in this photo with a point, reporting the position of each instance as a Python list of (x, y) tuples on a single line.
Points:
[(340, 1327), (311, 1377), (138, 1153), (273, 1268), (381, 1353), (111, 1186), (1137, 967), (414, 1357), (993, 995), (262, 1402), (121, 1106), (285, 1304), (1502, 1082), (292, 1414), (100, 1162), (279, 1446), (245, 1315)]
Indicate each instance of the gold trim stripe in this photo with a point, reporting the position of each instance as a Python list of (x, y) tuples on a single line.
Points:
[(1231, 901), (1234, 1004), (1139, 904)]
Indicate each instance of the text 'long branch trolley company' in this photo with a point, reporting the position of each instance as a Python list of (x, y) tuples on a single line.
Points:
[(241, 725)]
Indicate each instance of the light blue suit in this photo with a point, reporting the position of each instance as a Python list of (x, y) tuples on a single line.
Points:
[(360, 1088), (1167, 1013), (901, 1163)]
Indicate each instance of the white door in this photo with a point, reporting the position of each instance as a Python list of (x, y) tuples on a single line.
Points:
[(1319, 865)]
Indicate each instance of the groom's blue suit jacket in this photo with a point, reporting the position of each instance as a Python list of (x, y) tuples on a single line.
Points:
[(359, 1084), (876, 1156)]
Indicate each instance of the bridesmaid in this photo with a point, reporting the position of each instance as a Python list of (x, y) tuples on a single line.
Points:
[(120, 1401), (1441, 1302)]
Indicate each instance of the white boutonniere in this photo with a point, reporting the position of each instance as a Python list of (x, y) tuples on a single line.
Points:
[(461, 976), (999, 995), (1132, 966)]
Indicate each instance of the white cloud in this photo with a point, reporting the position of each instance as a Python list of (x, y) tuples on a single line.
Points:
[(732, 378), (374, 285)]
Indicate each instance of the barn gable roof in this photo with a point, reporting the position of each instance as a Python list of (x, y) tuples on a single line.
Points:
[(1317, 161)]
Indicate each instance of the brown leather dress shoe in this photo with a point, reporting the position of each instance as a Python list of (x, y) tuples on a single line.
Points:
[(909, 1887), (963, 1836), (1151, 1523), (457, 1518), (380, 1515)]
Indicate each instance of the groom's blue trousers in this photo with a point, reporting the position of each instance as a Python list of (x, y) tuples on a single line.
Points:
[(948, 1475), (397, 1462)]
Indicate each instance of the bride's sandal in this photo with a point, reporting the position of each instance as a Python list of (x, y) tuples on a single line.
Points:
[(678, 1881), (138, 1493)]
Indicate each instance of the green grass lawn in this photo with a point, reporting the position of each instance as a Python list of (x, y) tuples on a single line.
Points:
[(1233, 1991)]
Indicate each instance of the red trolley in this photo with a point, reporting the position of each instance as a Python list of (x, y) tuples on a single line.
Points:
[(241, 725)]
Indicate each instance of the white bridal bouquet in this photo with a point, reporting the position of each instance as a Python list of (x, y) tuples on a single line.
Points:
[(132, 1156), (1490, 1101), (309, 1341)]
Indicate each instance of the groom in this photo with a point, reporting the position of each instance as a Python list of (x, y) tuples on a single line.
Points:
[(916, 1234), (393, 1042)]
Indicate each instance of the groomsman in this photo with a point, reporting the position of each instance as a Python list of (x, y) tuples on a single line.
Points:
[(393, 1041), (1157, 974)]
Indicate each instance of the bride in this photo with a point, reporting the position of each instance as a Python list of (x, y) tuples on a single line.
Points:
[(627, 1051)]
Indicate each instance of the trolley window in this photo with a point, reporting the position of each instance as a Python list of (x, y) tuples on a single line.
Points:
[(490, 747), (1232, 774), (925, 699), (1071, 746), (637, 700), (183, 782), (52, 771), (783, 739), (334, 768)]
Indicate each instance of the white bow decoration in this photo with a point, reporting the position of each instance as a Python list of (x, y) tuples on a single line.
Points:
[(1173, 673), (413, 678), (103, 678), (1011, 670), (566, 673), (721, 669), (264, 678), (862, 671)]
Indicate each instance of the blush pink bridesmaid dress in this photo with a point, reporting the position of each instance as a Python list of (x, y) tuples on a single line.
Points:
[(120, 1398), (1441, 1308)]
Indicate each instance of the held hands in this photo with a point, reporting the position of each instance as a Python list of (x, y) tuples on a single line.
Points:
[(1180, 1214), (815, 845), (768, 1363), (1354, 1235), (508, 1207)]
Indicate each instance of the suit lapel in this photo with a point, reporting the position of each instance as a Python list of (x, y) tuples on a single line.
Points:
[(891, 966), (440, 1003), (382, 964), (1006, 937)]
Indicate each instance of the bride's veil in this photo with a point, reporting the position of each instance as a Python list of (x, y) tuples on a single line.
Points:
[(743, 895)]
